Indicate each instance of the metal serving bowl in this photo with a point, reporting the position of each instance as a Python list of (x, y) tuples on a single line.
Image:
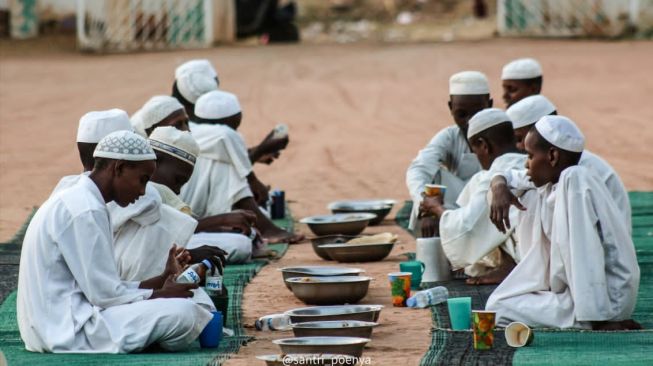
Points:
[(346, 345), (366, 313), (329, 239), (332, 290), (346, 224), (381, 208), (334, 328), (319, 359), (318, 271), (357, 252)]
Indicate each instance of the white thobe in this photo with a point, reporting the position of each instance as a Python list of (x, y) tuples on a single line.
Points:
[(519, 180), (467, 233), (582, 266), (219, 179), (446, 160), (68, 181), (237, 246), (70, 297)]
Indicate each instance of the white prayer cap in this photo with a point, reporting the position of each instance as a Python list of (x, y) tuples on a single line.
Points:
[(124, 145), (202, 66), (154, 111), (468, 83), (179, 144), (561, 132), (529, 110), (485, 119), (192, 85), (93, 126), (523, 68), (216, 105)]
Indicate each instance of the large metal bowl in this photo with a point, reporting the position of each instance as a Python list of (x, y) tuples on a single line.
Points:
[(334, 328), (345, 224), (318, 271), (319, 359), (357, 252), (366, 313), (381, 208), (329, 239), (345, 345), (332, 290)]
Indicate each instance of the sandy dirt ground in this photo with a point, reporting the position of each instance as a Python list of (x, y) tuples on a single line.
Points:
[(357, 114)]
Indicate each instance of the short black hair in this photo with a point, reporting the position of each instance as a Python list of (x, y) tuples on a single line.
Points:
[(498, 135), (567, 157), (217, 121)]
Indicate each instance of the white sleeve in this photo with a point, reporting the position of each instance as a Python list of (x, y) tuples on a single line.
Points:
[(516, 179), (88, 253), (426, 165)]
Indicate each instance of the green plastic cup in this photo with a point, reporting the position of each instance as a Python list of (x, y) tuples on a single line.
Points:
[(460, 312), (416, 268)]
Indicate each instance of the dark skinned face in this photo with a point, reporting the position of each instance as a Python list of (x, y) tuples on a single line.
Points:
[(482, 150), (541, 164), (172, 172), (520, 136), (464, 107), (177, 119), (516, 90), (129, 180), (234, 121)]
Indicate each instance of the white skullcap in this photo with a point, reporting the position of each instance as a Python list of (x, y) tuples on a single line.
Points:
[(124, 145), (93, 126), (179, 144), (192, 85), (154, 111), (523, 68), (485, 119), (201, 66), (468, 83), (216, 105), (561, 132), (529, 110)]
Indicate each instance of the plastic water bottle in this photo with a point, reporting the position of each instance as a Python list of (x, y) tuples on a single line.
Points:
[(273, 322), (195, 273), (280, 131), (428, 297)]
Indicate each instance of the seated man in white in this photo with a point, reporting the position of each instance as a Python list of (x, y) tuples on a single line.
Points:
[(469, 239), (580, 270), (70, 296), (447, 159), (176, 153), (223, 178), (524, 114)]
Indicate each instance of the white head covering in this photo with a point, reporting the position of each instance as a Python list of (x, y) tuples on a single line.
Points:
[(93, 126), (468, 83), (523, 68), (202, 66), (485, 119), (561, 132), (154, 111), (124, 145), (179, 144), (529, 110), (216, 105), (192, 85)]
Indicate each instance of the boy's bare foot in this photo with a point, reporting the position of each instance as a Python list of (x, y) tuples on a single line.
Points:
[(495, 276), (627, 324)]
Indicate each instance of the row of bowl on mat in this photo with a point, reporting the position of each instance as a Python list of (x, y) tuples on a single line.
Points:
[(326, 335), (349, 219)]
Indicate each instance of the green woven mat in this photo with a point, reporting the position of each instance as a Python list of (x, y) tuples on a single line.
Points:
[(236, 278), (555, 347)]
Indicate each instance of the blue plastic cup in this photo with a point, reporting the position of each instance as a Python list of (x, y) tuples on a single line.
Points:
[(212, 333), (460, 312)]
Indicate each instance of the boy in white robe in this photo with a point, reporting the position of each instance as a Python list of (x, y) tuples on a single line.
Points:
[(223, 178), (447, 159), (580, 270), (521, 78), (469, 239), (524, 114), (70, 297), (176, 155)]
